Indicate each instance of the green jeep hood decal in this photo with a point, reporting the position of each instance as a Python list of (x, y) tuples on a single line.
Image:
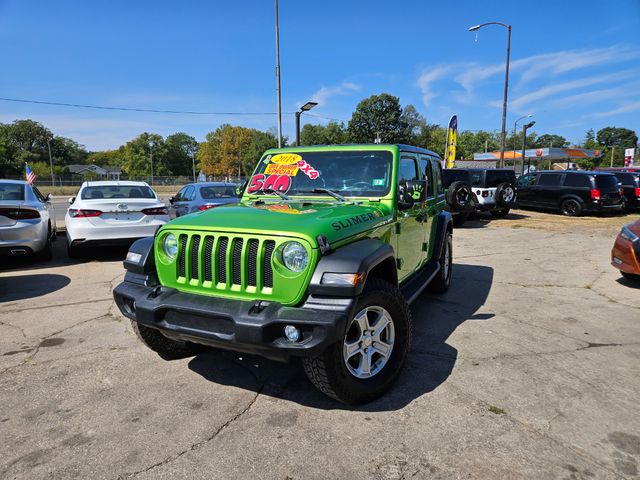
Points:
[(335, 221)]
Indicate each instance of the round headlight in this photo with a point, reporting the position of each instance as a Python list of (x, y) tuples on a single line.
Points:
[(170, 246), (294, 256)]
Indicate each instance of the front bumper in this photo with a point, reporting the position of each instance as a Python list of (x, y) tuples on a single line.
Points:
[(239, 325)]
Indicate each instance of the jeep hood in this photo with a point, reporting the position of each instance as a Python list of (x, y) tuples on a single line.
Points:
[(306, 219)]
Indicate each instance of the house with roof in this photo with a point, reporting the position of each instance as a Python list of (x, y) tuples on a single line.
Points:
[(108, 172)]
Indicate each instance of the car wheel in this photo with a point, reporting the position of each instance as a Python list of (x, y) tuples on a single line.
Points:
[(72, 252), (46, 253), (370, 356), (165, 347), (503, 212), (442, 280), (460, 218), (571, 208)]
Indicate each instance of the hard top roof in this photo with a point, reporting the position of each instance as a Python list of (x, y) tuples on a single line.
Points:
[(355, 146)]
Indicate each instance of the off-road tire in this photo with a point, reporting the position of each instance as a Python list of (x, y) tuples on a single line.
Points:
[(442, 280), (506, 195), (571, 207), (460, 218), (503, 212), (328, 371), (459, 196), (167, 349)]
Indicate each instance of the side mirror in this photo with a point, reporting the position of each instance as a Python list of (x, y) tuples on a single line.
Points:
[(171, 200), (71, 200), (48, 198)]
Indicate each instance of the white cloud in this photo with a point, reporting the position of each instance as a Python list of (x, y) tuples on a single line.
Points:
[(325, 93), (558, 87), (629, 107), (427, 78)]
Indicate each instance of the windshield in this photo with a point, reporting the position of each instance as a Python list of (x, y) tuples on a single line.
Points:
[(211, 193), (11, 191), (348, 173), (116, 191)]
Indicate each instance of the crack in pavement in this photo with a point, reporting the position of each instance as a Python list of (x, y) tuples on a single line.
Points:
[(196, 445), (53, 305), (36, 348), (14, 326), (579, 452)]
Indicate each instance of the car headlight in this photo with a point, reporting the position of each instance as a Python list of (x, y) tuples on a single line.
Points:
[(294, 256), (170, 246)]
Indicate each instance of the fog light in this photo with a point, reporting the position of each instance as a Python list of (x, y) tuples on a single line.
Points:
[(292, 333), (617, 261), (133, 257)]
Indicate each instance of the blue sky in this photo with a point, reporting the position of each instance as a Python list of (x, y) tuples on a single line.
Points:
[(575, 63)]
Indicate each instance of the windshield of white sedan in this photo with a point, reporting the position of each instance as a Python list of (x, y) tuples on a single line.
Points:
[(11, 191), (348, 173), (116, 191)]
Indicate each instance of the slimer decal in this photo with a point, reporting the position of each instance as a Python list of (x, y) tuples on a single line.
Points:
[(355, 220)]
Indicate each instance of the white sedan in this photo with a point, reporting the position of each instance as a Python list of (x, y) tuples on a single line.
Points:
[(112, 213)]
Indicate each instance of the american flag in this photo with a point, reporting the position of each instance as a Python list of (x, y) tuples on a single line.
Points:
[(31, 177)]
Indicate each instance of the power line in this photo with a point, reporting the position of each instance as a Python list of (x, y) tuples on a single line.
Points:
[(128, 109)]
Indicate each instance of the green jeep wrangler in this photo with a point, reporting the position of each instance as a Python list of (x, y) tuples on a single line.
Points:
[(319, 260)]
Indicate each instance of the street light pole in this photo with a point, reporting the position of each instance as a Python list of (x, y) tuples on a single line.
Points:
[(278, 79), (304, 108), (50, 162), (524, 142), (506, 85), (515, 125)]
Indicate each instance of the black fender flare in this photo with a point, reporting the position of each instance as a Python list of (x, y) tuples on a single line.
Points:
[(361, 256), (444, 224)]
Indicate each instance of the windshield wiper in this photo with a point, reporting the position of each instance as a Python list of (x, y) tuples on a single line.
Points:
[(331, 193), (277, 192)]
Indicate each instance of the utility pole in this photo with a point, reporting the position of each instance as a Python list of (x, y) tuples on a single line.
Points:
[(152, 165), (278, 93), (613, 149), (50, 162), (193, 163)]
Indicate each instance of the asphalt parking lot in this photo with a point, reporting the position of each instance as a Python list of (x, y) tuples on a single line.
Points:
[(529, 367)]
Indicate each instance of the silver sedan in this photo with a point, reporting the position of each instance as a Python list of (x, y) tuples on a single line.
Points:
[(27, 220), (195, 197)]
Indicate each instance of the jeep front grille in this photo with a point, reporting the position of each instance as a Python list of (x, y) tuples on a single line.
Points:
[(234, 263)]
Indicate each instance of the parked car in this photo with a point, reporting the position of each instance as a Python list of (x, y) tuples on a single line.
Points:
[(630, 183), (112, 213), (319, 260), (625, 255), (571, 192), (461, 201), (27, 220), (495, 190), (195, 197)]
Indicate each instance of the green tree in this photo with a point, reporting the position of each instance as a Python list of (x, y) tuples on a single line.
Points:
[(260, 142), (413, 123), (476, 142), (590, 140), (107, 158), (550, 140), (65, 151), (181, 149), (332, 133), (141, 151), (378, 115), (616, 139), (223, 150)]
